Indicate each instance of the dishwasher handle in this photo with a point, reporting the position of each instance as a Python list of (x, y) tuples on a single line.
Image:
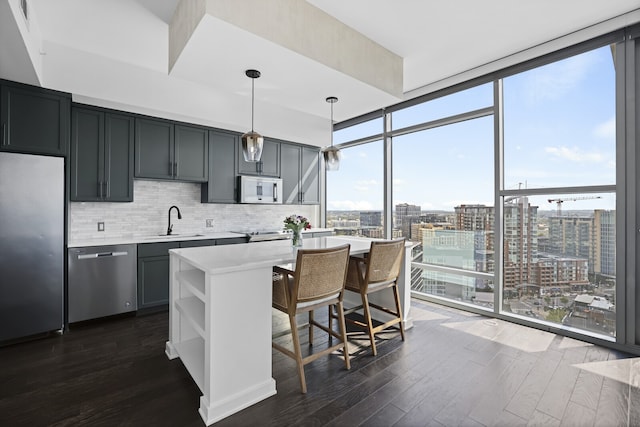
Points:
[(102, 255)]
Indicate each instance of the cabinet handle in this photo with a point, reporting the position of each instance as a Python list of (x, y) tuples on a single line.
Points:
[(170, 168), (99, 189), (106, 189), (175, 169), (4, 134)]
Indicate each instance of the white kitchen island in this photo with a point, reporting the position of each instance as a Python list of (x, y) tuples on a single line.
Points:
[(220, 317)]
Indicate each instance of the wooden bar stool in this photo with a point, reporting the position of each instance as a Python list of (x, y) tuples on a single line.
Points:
[(317, 281), (378, 271)]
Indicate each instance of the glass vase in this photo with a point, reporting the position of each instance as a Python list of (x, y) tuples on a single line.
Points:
[(296, 239)]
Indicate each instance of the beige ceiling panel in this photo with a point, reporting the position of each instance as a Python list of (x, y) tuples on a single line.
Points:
[(301, 28)]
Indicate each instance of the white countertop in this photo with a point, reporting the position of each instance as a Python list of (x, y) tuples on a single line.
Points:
[(317, 230), (129, 239), (225, 259), (122, 240)]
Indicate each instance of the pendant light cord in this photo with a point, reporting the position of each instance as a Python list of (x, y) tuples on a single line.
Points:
[(252, 86), (331, 124)]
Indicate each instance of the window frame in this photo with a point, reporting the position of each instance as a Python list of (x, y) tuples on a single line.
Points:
[(625, 189)]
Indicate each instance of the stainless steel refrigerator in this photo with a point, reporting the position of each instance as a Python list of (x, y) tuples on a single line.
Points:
[(31, 245)]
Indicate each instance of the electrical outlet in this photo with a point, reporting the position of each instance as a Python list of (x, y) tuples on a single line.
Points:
[(101, 226), (209, 222)]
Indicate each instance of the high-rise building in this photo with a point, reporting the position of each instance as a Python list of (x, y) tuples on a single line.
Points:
[(371, 219), (520, 241), (467, 243), (589, 237), (474, 217), (405, 215), (450, 248), (520, 238), (572, 236), (478, 219), (604, 242), (555, 274)]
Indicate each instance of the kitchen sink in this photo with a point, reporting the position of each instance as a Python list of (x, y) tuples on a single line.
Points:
[(172, 236)]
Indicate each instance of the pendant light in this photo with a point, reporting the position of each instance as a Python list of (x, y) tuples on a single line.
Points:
[(332, 154), (252, 141)]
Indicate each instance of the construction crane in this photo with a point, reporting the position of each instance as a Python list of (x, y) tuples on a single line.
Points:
[(570, 199)]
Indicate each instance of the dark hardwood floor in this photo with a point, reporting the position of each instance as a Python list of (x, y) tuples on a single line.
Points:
[(454, 369)]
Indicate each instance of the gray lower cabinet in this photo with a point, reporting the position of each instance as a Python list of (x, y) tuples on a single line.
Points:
[(221, 186), (269, 164), (101, 156), (153, 275), (153, 270), (33, 119), (197, 243), (167, 150), (300, 174), (231, 241)]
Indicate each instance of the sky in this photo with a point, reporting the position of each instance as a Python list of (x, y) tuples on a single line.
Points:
[(559, 131)]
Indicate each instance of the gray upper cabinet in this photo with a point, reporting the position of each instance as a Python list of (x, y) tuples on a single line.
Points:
[(269, 164), (154, 149), (101, 156), (300, 174), (310, 176), (33, 120), (290, 173), (118, 157), (164, 150), (221, 186), (191, 153)]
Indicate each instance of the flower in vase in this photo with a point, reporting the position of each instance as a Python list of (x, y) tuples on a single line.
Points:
[(296, 223)]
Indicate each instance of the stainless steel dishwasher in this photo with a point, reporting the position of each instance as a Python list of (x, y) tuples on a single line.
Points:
[(102, 281)]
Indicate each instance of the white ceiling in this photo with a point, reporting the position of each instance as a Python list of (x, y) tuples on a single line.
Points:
[(115, 54)]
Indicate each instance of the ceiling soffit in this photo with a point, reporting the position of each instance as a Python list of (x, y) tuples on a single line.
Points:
[(301, 28)]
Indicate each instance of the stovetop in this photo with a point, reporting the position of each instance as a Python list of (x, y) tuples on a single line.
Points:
[(264, 235)]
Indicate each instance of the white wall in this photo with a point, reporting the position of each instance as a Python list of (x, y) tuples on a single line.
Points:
[(147, 214)]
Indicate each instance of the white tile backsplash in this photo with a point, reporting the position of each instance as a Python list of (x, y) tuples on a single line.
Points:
[(147, 214)]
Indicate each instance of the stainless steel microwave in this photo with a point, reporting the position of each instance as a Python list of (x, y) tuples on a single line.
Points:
[(257, 189)]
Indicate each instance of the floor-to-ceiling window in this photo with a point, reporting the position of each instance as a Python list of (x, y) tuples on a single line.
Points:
[(443, 193), (559, 219), (355, 192), (509, 187)]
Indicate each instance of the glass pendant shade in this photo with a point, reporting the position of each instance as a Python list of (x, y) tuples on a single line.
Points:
[(331, 154), (332, 158), (252, 141), (252, 146)]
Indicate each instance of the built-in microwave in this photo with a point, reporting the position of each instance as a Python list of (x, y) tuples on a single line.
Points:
[(257, 189)]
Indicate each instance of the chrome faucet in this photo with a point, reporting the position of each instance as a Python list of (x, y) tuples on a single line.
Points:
[(170, 227)]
